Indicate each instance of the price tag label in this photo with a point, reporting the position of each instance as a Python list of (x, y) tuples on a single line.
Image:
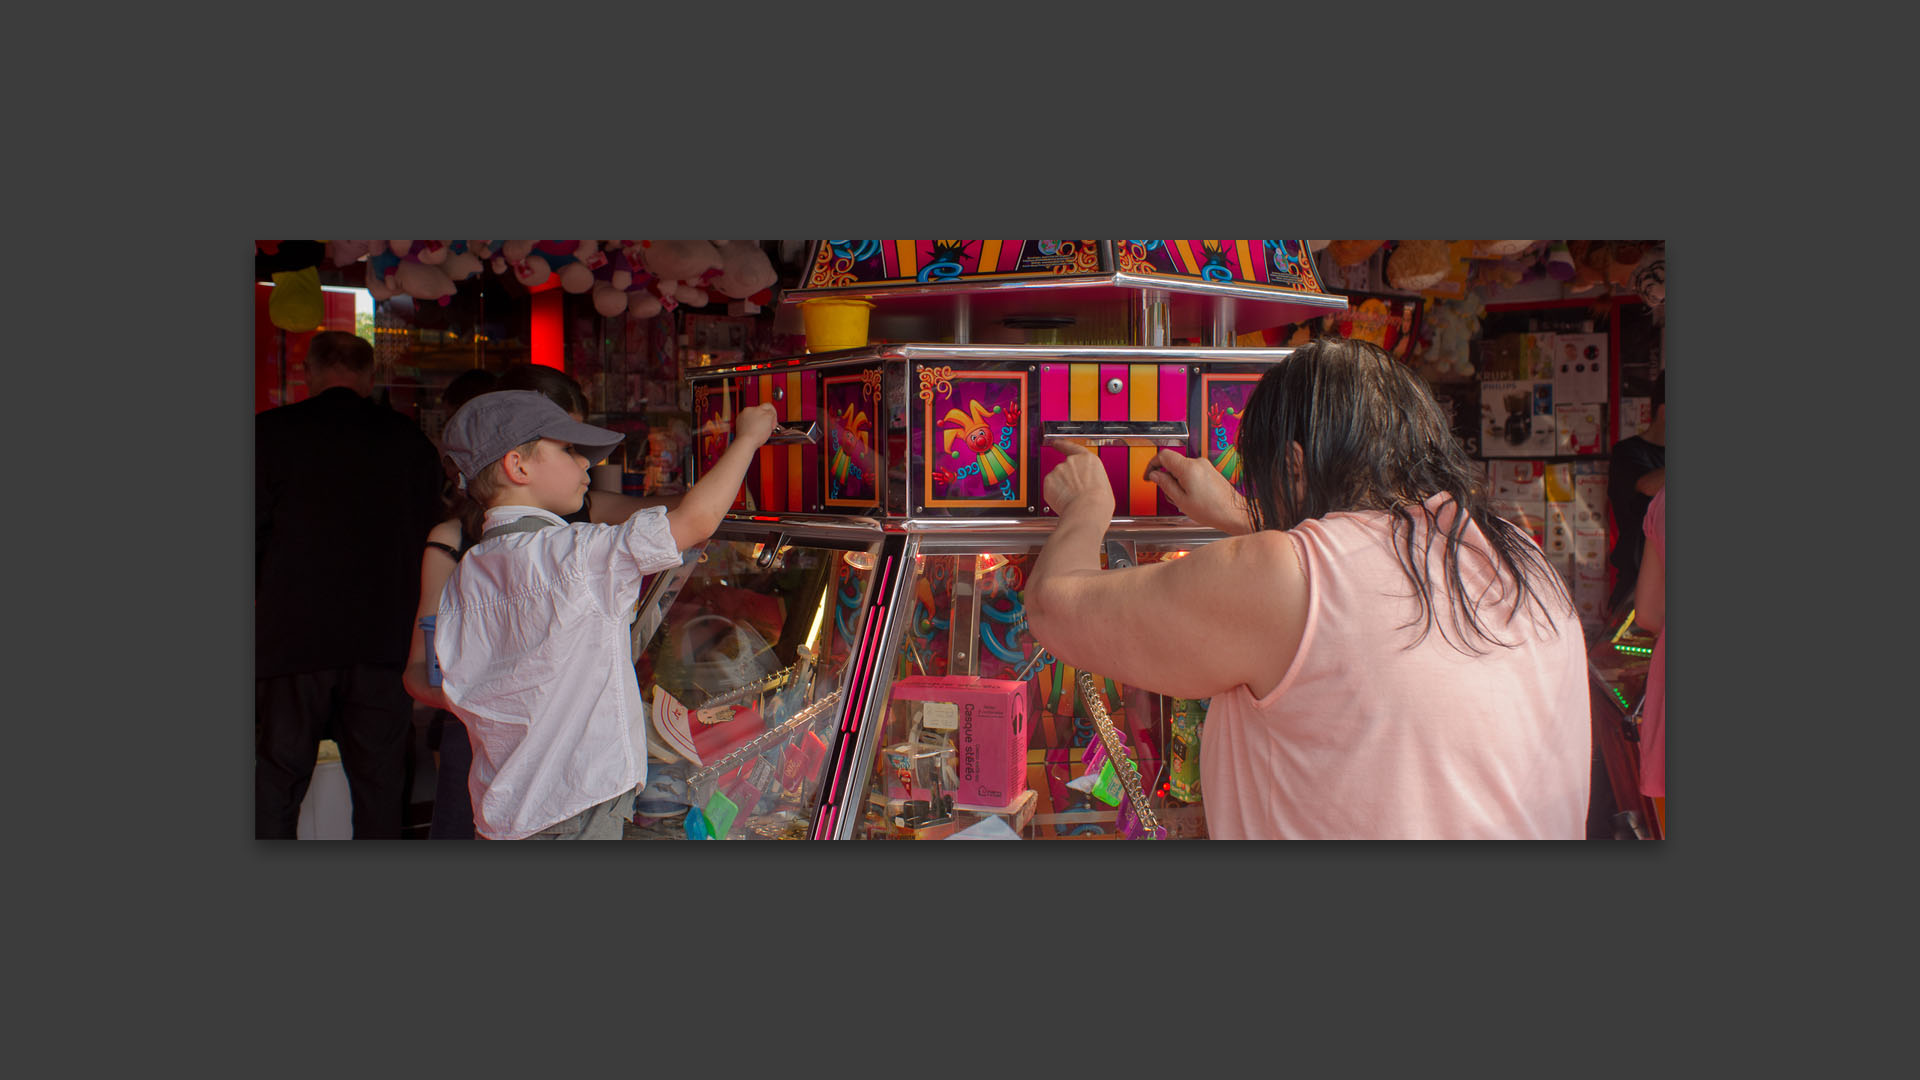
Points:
[(940, 716)]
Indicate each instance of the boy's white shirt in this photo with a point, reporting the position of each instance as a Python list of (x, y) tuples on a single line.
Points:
[(536, 658)]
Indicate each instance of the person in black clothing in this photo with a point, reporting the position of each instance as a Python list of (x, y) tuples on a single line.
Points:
[(1636, 473), (345, 490)]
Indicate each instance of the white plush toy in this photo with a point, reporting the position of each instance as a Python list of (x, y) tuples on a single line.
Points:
[(679, 260), (347, 251), (576, 277), (461, 265), (744, 269), (423, 281), (609, 301)]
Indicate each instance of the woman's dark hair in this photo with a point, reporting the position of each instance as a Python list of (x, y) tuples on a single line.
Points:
[(553, 382), (466, 386), (1373, 438)]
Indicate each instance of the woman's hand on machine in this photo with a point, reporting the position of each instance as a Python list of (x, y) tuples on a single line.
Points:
[(1078, 486), (1199, 491)]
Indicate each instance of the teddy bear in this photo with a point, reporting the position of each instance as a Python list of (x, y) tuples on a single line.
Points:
[(744, 269), (1417, 265)]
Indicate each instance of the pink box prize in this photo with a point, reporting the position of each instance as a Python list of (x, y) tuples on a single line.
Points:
[(989, 731)]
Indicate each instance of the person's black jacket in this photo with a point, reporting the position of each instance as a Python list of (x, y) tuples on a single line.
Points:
[(345, 491)]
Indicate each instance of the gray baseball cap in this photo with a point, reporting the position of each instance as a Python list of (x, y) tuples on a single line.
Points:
[(485, 428)]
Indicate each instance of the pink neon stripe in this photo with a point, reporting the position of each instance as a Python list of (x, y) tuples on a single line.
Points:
[(1173, 406), (861, 667), (1115, 407), (1056, 403)]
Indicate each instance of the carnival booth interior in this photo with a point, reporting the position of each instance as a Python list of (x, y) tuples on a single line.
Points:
[(848, 656)]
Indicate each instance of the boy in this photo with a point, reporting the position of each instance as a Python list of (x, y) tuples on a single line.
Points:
[(535, 655)]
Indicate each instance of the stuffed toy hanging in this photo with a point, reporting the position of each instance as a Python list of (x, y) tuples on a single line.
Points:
[(1417, 265), (296, 304)]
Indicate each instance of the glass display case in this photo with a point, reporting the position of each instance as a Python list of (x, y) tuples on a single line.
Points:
[(848, 657)]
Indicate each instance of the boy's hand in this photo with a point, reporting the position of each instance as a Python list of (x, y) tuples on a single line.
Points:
[(754, 425)]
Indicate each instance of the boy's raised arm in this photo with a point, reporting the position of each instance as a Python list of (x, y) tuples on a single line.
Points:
[(705, 503)]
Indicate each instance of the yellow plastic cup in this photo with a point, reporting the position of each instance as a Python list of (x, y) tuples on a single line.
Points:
[(835, 324)]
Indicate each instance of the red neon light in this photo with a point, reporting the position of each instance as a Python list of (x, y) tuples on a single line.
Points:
[(549, 346), (863, 673), (844, 752)]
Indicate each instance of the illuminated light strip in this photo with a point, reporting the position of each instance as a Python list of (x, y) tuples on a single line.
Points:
[(1246, 262), (842, 765), (1634, 649), (825, 822), (795, 495)]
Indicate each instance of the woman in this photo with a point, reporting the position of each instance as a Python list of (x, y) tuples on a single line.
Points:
[(1650, 612), (1386, 658), (449, 540)]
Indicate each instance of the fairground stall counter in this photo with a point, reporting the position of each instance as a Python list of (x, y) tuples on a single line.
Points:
[(848, 656)]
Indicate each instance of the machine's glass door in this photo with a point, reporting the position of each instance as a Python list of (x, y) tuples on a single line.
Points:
[(985, 733), (743, 681)]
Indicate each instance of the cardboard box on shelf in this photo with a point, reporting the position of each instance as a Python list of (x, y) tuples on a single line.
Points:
[(1557, 485), (1540, 351), (1590, 594), (1636, 416), (1580, 369), (1516, 418), (1518, 493), (1590, 496), (1577, 428)]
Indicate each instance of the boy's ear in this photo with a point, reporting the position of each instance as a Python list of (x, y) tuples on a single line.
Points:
[(514, 465)]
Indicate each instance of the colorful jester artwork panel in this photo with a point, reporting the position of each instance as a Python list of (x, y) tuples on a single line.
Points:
[(976, 447), (1224, 399), (852, 410)]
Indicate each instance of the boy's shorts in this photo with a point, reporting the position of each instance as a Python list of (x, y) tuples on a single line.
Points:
[(607, 821)]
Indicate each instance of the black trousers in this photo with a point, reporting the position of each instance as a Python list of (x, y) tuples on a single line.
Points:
[(365, 709)]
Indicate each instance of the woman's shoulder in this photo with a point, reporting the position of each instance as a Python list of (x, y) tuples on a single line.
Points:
[(447, 532)]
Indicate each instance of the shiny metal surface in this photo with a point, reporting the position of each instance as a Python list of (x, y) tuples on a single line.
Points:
[(1222, 333), (1115, 432), (806, 431), (795, 527), (954, 354), (1152, 321)]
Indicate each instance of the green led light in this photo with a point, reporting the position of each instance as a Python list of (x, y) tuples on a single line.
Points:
[(1634, 649)]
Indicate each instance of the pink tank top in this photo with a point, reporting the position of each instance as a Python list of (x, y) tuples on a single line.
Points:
[(1653, 714), (1366, 739)]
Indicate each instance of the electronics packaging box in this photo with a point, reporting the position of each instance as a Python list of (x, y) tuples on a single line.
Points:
[(1590, 595), (1636, 416), (989, 728), (1577, 428), (1516, 418), (1518, 492), (1590, 496), (1580, 369), (1540, 351), (1558, 484)]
